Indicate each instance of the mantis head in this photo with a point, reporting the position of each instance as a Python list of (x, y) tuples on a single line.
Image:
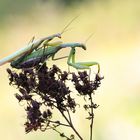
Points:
[(83, 46)]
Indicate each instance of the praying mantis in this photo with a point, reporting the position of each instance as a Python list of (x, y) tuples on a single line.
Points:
[(28, 48), (43, 54), (34, 45), (36, 52), (30, 59)]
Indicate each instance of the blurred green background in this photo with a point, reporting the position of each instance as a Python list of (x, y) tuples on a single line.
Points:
[(115, 45)]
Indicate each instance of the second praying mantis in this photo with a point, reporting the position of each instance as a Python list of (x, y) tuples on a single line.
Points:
[(42, 54)]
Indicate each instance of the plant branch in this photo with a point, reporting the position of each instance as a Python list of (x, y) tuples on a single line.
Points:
[(61, 134), (71, 125), (69, 116), (59, 123), (92, 115)]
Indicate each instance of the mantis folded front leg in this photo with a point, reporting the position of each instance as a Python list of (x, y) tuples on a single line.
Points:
[(80, 65)]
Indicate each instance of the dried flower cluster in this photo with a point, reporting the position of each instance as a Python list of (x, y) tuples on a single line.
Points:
[(45, 89)]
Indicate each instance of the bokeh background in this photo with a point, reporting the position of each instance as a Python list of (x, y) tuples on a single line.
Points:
[(115, 45)]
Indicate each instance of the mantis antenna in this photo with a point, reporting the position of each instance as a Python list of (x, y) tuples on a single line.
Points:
[(66, 27), (89, 37)]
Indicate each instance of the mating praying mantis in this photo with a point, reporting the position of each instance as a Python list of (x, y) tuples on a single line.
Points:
[(36, 56), (34, 45), (36, 51)]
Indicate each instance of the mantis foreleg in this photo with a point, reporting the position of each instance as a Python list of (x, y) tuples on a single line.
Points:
[(80, 65)]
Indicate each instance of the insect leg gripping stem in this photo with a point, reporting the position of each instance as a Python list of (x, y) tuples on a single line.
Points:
[(80, 65)]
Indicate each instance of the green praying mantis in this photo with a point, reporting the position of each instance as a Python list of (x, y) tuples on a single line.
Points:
[(28, 56), (39, 51), (28, 49)]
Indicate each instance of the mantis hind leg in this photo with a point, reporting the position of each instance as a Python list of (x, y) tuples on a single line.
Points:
[(58, 57), (85, 65), (80, 65)]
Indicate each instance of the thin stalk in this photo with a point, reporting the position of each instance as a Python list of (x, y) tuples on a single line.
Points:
[(69, 121), (59, 123), (91, 124), (61, 134), (69, 115), (71, 125)]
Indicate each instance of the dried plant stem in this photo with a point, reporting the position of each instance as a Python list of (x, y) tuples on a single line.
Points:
[(71, 124), (52, 85), (92, 116), (62, 134), (59, 123)]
